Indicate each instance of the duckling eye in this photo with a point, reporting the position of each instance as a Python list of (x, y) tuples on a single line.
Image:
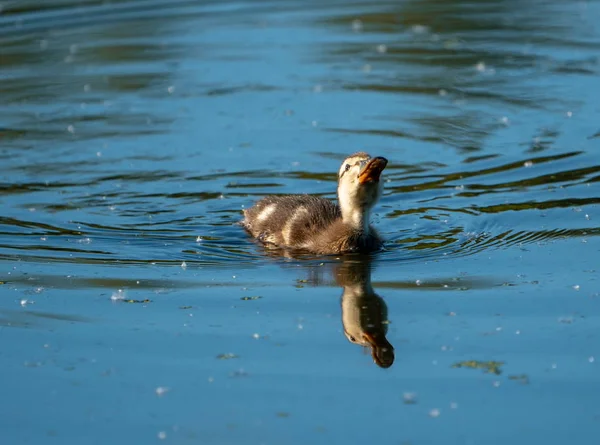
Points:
[(347, 168)]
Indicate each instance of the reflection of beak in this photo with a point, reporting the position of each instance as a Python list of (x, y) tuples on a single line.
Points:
[(381, 350), (372, 170)]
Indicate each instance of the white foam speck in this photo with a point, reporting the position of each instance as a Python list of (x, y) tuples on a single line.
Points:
[(357, 25), (410, 397), (419, 29), (118, 295), (434, 413), (184, 265), (161, 390)]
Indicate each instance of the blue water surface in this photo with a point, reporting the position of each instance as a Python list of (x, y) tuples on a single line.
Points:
[(134, 309)]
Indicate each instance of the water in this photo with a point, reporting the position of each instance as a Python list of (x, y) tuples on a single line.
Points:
[(134, 310)]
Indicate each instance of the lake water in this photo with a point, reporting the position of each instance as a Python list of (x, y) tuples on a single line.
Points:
[(134, 310)]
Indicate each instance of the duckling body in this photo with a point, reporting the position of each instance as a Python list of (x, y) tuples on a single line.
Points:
[(318, 225)]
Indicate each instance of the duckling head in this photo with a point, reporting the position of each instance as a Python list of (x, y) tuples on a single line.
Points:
[(359, 188)]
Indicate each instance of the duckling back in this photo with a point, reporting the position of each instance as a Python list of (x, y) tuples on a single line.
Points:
[(291, 221)]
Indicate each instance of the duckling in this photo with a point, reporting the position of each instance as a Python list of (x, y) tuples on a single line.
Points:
[(318, 225)]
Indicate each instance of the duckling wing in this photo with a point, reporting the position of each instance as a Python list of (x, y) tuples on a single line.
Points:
[(291, 220)]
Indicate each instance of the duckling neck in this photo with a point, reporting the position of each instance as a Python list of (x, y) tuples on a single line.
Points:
[(356, 218)]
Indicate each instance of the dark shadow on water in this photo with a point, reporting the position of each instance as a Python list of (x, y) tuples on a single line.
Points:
[(36, 319)]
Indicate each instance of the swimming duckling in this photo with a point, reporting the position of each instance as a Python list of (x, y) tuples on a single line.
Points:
[(318, 225)]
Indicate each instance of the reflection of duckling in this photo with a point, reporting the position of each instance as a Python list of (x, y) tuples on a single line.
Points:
[(318, 225), (364, 313)]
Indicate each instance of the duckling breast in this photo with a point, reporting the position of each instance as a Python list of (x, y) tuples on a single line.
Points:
[(340, 237)]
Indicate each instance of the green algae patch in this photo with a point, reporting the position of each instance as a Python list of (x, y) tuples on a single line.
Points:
[(521, 378), (300, 283), (489, 367), (134, 301), (227, 356)]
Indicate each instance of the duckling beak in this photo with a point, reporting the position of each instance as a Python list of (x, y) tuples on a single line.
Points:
[(372, 170), (381, 350)]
